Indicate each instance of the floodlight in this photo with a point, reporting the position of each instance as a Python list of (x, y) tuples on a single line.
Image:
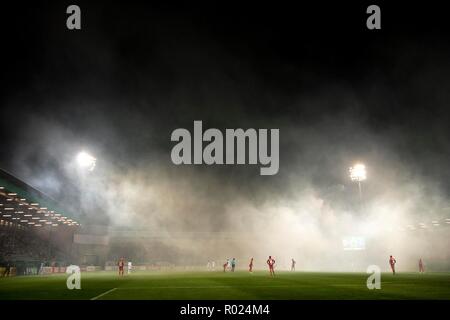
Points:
[(85, 160), (358, 172)]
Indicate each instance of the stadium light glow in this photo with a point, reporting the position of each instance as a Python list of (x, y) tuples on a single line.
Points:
[(87, 161), (358, 172)]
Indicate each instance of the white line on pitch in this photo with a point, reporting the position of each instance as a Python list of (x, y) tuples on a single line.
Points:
[(212, 287), (104, 293)]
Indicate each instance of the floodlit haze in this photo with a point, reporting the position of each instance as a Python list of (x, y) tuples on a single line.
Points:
[(117, 94)]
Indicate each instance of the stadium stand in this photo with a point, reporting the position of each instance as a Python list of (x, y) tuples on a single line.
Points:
[(34, 231)]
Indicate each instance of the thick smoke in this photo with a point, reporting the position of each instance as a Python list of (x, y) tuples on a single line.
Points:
[(304, 212), (122, 109)]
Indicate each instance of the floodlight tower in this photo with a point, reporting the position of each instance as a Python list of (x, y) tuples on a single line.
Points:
[(358, 173), (85, 160)]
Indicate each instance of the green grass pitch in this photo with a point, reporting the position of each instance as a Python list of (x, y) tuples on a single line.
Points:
[(228, 286)]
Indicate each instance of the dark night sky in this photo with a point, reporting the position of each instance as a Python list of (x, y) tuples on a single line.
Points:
[(135, 73)]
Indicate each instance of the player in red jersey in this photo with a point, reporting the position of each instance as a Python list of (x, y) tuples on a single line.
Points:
[(392, 262), (421, 267), (250, 266), (121, 265), (271, 263)]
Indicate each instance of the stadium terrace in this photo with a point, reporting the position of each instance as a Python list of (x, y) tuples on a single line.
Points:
[(22, 204)]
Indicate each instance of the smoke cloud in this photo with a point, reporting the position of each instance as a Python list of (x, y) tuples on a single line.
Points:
[(122, 106)]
